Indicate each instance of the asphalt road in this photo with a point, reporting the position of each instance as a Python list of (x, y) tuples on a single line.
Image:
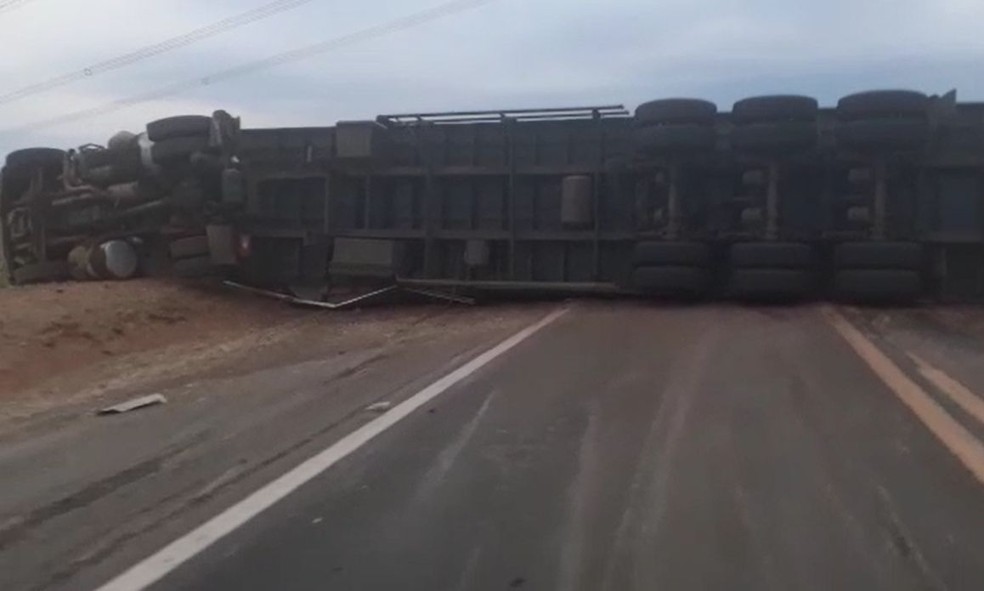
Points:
[(628, 446)]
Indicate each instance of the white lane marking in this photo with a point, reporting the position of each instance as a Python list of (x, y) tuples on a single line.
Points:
[(960, 394), (948, 430), (155, 567)]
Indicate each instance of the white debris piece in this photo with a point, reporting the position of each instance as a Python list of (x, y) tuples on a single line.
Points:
[(134, 404), (380, 407)]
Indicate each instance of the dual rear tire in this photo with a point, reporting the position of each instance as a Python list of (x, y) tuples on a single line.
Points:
[(879, 272), (675, 127), (772, 271), (672, 269), (864, 272)]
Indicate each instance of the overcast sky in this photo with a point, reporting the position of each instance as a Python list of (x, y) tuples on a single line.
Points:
[(511, 53)]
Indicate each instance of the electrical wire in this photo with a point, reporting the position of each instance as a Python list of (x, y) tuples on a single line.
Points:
[(122, 61), (398, 24)]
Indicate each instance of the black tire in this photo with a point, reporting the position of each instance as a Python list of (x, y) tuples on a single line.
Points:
[(688, 254), (781, 284), (676, 111), (174, 150), (671, 281), (192, 268), (181, 126), (762, 109), (878, 286), (880, 255), (880, 134), (192, 246), (42, 273), (882, 103), (22, 164), (773, 255), (780, 136), (30, 158), (676, 138)]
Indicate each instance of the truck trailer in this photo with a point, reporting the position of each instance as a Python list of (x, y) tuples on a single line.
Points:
[(879, 198)]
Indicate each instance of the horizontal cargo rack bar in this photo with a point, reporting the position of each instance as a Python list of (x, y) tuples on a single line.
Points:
[(460, 117)]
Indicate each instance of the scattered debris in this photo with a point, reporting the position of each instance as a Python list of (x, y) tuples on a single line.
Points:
[(353, 301), (380, 407), (134, 404)]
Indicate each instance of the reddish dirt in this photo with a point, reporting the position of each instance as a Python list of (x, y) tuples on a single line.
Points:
[(50, 332)]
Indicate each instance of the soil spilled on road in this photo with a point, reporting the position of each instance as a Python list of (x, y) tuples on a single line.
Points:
[(53, 332)]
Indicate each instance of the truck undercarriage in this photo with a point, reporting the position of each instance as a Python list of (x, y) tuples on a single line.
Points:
[(878, 199)]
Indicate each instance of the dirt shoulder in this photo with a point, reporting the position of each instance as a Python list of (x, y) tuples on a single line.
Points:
[(59, 341), (68, 349)]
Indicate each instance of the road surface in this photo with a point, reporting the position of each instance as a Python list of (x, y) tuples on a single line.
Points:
[(616, 446)]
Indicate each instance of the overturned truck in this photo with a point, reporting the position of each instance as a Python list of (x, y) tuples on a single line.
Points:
[(880, 198)]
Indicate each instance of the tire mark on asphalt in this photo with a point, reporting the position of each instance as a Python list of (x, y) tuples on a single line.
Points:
[(636, 534), (839, 466), (580, 492), (449, 455), (904, 542), (14, 529), (466, 582), (180, 501)]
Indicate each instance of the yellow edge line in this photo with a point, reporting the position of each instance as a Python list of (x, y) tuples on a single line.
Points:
[(951, 433), (960, 394)]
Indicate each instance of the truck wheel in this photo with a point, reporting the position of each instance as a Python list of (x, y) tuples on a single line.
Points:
[(883, 133), (192, 268), (783, 135), (879, 255), (774, 255), (676, 137), (21, 164), (192, 246), (671, 280), (882, 103), (42, 273), (676, 111), (181, 126), (762, 109), (784, 284), (878, 286), (176, 149), (689, 254), (48, 158)]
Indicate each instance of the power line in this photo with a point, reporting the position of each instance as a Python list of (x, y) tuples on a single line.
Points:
[(8, 5), (227, 24), (399, 24)]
